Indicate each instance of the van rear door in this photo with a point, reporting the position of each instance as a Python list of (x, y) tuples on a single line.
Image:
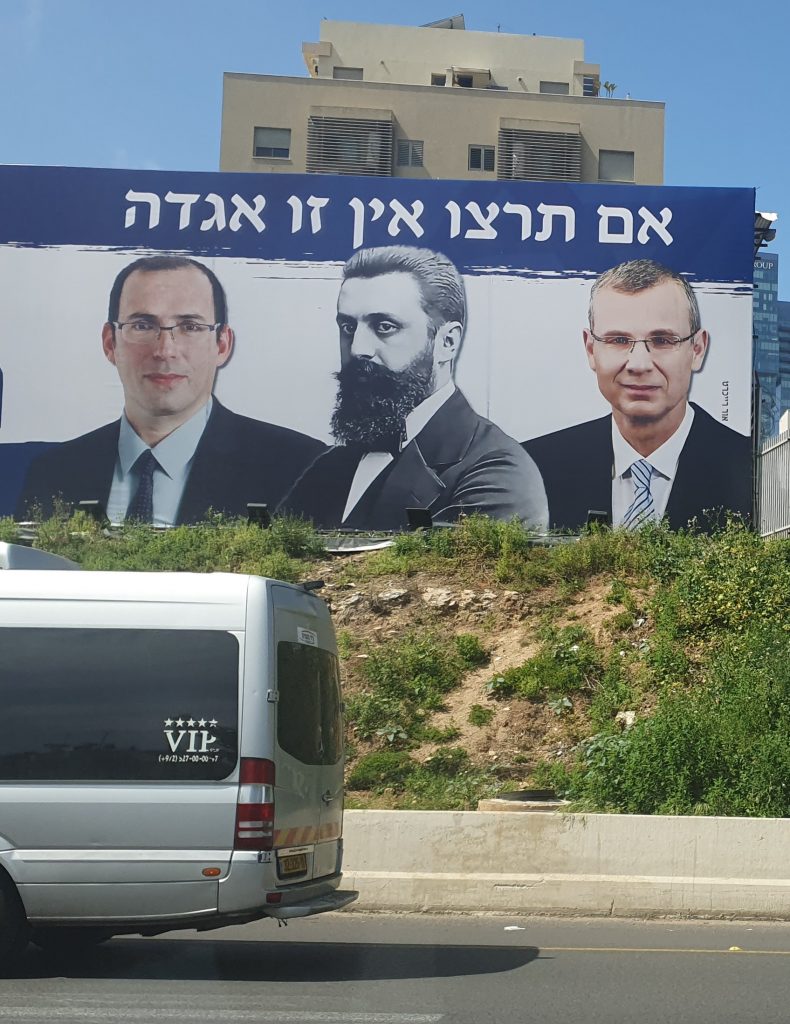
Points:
[(308, 738), (118, 767)]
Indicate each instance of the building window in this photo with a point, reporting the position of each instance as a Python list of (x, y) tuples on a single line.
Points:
[(464, 81), (529, 155), (348, 74), (349, 145), (615, 165), (591, 85), (272, 142), (481, 158), (555, 88), (409, 153), (438, 79)]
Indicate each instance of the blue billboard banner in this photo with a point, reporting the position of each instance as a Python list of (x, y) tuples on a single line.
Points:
[(347, 348), (536, 226)]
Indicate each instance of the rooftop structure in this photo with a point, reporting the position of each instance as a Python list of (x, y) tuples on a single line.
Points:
[(438, 101)]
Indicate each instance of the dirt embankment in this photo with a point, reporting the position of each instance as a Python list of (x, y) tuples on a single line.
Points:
[(369, 613)]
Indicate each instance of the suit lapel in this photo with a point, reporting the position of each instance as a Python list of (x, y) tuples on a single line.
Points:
[(95, 477), (407, 483), (583, 478), (691, 488), (597, 471), (414, 481), (207, 477), (446, 437), (321, 492)]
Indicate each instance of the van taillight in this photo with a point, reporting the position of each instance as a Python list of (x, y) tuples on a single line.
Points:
[(255, 805)]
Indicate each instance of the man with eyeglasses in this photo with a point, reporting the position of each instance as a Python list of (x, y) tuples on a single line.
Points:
[(657, 455), (176, 452)]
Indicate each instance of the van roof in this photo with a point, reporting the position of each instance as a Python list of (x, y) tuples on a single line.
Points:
[(180, 587), (130, 600), (20, 556)]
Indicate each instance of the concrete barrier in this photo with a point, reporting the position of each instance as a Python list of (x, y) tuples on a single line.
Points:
[(618, 865)]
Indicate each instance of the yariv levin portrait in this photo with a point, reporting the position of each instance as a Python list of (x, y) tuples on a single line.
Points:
[(176, 452), (657, 455), (406, 435)]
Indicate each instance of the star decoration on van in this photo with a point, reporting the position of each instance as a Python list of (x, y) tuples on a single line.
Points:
[(191, 723), (202, 723), (168, 723), (213, 722), (179, 722)]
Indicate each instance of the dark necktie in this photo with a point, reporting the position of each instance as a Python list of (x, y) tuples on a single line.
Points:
[(141, 507)]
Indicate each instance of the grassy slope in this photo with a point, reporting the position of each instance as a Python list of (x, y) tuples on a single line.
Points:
[(476, 662)]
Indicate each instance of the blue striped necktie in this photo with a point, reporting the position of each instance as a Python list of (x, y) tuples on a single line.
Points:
[(642, 509), (141, 507)]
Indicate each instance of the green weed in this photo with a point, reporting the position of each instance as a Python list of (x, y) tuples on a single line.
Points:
[(217, 545), (720, 747), (567, 662), (9, 530), (405, 680), (479, 715), (432, 734), (381, 768), (471, 650)]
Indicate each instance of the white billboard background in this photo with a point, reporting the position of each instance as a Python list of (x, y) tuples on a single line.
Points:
[(522, 363)]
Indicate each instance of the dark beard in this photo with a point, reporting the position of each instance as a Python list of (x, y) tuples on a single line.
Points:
[(373, 402)]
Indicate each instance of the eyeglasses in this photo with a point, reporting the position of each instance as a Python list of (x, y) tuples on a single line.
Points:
[(656, 343), (146, 332)]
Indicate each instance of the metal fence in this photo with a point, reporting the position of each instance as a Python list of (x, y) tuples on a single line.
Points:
[(773, 486)]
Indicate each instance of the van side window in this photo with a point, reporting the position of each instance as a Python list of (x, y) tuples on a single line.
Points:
[(118, 704), (309, 722)]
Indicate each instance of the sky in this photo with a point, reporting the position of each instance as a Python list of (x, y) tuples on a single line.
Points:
[(138, 83)]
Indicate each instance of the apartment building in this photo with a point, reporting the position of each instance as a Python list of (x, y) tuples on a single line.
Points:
[(439, 101)]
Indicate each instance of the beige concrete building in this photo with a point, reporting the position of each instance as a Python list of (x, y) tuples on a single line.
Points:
[(440, 102)]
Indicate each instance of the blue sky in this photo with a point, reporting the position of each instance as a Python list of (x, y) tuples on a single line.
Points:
[(138, 83)]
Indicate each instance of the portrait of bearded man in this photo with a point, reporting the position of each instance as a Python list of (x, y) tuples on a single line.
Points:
[(406, 435)]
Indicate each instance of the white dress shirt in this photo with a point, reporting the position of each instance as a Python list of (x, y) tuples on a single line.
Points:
[(373, 464), (664, 461), (173, 454)]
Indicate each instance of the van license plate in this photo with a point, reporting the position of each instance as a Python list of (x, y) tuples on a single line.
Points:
[(295, 864)]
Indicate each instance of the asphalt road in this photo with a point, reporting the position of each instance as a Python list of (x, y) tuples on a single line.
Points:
[(366, 969)]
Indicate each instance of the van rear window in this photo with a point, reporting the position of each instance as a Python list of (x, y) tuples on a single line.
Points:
[(118, 704), (309, 721)]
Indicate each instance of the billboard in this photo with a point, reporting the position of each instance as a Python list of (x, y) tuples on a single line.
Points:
[(348, 348)]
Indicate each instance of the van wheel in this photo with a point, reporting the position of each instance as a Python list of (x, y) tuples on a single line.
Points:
[(14, 930), (69, 939)]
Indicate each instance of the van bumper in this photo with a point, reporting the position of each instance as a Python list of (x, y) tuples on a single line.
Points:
[(252, 886), (317, 905)]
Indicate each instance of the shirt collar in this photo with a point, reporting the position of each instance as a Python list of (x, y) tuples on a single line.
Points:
[(420, 415), (664, 459), (172, 452)]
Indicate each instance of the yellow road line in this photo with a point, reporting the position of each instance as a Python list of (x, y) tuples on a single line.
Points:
[(658, 949)]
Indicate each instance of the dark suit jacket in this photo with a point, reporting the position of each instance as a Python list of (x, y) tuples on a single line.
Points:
[(459, 462), (237, 460), (714, 472)]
